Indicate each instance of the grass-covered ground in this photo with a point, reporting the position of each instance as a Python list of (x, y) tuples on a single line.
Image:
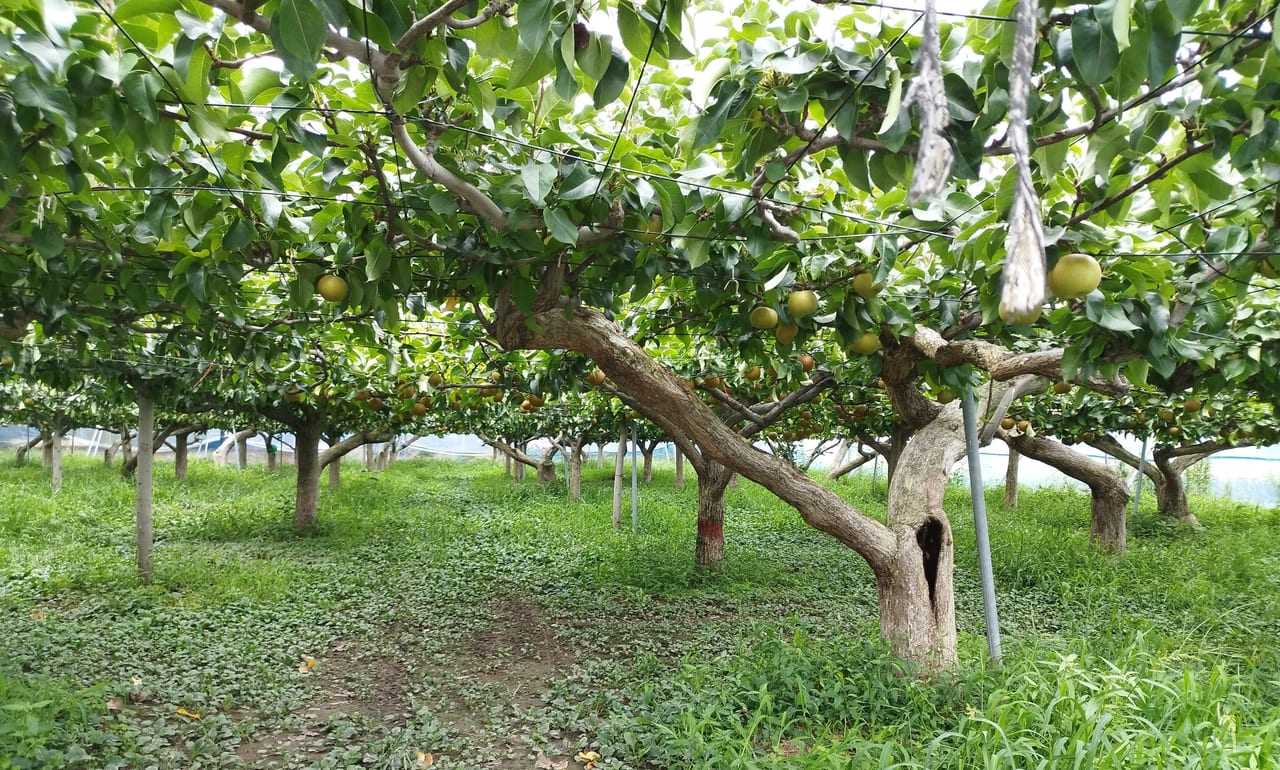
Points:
[(443, 610)]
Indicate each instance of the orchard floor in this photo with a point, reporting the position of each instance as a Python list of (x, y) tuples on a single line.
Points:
[(442, 610)]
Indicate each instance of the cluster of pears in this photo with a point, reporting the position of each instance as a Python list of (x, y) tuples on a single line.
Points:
[(802, 303)]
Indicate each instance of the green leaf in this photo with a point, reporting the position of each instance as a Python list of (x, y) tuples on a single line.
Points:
[(1093, 50), (637, 34), (561, 226), (377, 258), (298, 31), (614, 80), (671, 199), (594, 59), (1120, 23), (533, 20), (239, 235), (195, 281), (711, 123), (523, 291), (47, 238), (538, 179)]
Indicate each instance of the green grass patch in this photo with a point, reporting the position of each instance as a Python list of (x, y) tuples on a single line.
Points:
[(450, 611)]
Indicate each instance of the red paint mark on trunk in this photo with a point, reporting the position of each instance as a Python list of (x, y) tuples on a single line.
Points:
[(710, 530)]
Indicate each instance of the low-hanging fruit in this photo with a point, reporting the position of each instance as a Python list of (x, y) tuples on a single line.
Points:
[(652, 232), (1008, 423), (752, 374), (1018, 319), (375, 404), (806, 362), (946, 395), (763, 317), (865, 286), (1191, 405), (419, 409), (786, 333), (293, 394), (435, 380), (1062, 387), (332, 287), (865, 344), (1074, 276), (362, 395), (801, 303), (595, 378)]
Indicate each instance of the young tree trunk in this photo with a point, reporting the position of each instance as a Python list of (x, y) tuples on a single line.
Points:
[(242, 449), (307, 454), (679, 469), (1107, 490), (368, 457), (506, 464), (272, 460), (646, 470), (181, 446), (145, 476), (56, 459), (619, 466), (841, 452), (335, 473), (599, 455), (1011, 480), (713, 479), (46, 450), (575, 470)]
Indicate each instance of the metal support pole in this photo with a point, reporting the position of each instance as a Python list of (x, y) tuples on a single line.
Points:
[(1142, 461), (875, 469), (977, 492), (635, 484)]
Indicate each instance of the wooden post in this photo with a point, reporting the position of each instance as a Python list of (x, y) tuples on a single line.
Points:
[(146, 455)]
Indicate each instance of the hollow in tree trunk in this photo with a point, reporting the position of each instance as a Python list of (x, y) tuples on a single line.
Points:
[(713, 479), (145, 476), (1011, 480), (307, 453)]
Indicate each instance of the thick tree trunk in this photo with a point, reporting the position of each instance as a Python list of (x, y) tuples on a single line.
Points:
[(1011, 480), (680, 470), (917, 599), (46, 449), (546, 473), (181, 447), (646, 470), (145, 476), (713, 480), (619, 467), (1107, 490), (242, 449), (307, 453), (335, 473), (1171, 492)]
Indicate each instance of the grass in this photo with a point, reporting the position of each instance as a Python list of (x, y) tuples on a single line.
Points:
[(449, 611)]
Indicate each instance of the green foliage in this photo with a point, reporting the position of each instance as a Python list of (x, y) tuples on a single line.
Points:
[(1163, 658)]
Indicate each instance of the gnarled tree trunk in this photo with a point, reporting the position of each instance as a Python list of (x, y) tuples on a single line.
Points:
[(1108, 494), (1171, 488), (917, 612)]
